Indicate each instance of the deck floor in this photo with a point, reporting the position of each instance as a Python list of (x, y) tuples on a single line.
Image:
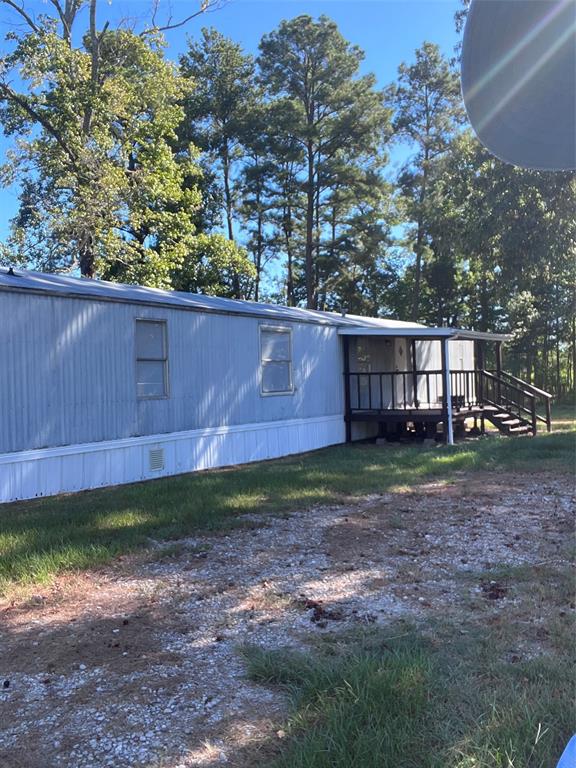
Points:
[(418, 414)]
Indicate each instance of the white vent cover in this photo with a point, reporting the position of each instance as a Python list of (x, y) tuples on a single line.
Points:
[(156, 459)]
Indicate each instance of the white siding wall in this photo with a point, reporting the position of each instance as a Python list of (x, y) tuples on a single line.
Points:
[(70, 418), (68, 373), (29, 474)]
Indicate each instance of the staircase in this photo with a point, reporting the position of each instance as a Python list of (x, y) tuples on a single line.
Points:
[(506, 422), (513, 406)]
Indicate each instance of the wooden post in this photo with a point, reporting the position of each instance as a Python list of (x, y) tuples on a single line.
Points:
[(480, 355), (533, 414), (499, 371), (480, 364), (347, 414), (414, 377), (447, 393)]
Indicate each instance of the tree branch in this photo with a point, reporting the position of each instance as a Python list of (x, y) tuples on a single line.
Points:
[(63, 19), (28, 19), (205, 6), (9, 95)]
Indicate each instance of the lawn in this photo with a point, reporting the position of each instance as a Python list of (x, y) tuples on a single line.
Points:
[(381, 607), (440, 695), (44, 537)]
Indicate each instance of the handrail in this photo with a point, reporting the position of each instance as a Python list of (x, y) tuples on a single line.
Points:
[(511, 386), (529, 386), (394, 373), (391, 390), (529, 391)]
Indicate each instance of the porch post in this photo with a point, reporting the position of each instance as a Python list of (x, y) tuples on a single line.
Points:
[(480, 354), (479, 365), (498, 358), (414, 376), (346, 345), (447, 393), (499, 369)]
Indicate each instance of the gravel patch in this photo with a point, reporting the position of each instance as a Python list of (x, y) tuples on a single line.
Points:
[(138, 664)]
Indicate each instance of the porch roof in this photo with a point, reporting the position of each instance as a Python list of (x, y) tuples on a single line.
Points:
[(415, 332)]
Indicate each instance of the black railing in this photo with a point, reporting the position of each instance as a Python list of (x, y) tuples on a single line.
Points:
[(543, 399), (409, 390), (517, 397), (381, 391)]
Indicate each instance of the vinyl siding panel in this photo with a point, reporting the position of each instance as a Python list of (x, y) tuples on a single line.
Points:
[(68, 372)]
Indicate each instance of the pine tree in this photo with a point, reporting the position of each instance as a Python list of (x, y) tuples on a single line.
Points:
[(428, 111), (327, 108)]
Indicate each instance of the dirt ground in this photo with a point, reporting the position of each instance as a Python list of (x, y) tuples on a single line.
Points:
[(137, 664)]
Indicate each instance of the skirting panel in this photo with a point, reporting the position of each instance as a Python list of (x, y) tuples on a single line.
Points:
[(49, 471)]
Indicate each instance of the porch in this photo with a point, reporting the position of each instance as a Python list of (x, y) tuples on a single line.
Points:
[(412, 381)]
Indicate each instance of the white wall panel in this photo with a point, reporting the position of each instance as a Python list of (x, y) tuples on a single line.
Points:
[(46, 472), (68, 372)]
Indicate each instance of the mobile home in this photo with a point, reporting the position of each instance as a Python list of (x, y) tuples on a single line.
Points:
[(104, 384)]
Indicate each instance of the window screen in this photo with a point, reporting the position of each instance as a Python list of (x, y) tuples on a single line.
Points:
[(276, 360), (151, 358)]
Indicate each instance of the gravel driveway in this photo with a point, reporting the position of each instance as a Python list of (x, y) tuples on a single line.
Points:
[(138, 664)]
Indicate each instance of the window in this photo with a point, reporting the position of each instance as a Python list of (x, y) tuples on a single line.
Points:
[(151, 359), (276, 360)]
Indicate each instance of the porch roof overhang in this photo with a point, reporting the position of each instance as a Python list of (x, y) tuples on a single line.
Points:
[(423, 333)]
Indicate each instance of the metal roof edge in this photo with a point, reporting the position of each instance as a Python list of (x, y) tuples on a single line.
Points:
[(424, 333), (65, 286), (275, 315)]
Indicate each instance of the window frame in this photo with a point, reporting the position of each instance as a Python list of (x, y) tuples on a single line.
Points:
[(276, 329), (164, 323)]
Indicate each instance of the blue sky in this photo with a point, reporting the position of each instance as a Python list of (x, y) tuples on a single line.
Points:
[(389, 31)]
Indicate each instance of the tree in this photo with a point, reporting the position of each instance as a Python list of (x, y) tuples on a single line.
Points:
[(213, 265), (219, 107), (354, 237), (428, 111), (327, 107), (102, 187), (256, 190), (501, 256)]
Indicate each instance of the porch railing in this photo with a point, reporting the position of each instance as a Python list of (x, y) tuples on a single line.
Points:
[(516, 396), (381, 391), (399, 390)]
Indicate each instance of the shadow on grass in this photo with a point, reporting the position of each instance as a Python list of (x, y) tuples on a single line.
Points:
[(43, 537)]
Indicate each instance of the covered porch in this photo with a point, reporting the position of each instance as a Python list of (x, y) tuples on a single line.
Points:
[(410, 381)]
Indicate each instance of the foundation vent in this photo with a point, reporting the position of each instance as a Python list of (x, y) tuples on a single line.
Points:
[(156, 459)]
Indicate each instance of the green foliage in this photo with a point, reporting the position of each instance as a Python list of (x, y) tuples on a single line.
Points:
[(219, 114), (129, 169), (103, 188), (212, 265), (428, 111), (336, 119)]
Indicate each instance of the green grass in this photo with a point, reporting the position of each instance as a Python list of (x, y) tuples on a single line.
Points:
[(41, 538), (447, 696)]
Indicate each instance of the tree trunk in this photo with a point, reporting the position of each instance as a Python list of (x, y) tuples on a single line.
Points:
[(574, 354), (259, 240), (418, 250), (287, 229), (86, 257), (544, 366), (228, 206), (227, 191), (309, 252)]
